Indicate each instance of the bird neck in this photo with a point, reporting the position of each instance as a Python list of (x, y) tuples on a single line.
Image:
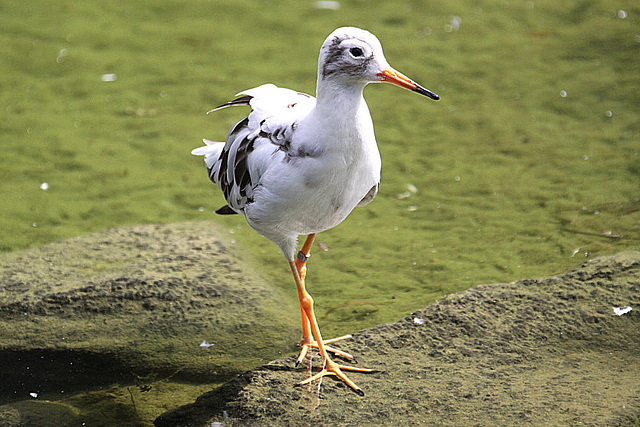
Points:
[(339, 100)]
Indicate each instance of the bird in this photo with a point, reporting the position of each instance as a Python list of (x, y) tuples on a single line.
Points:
[(297, 165)]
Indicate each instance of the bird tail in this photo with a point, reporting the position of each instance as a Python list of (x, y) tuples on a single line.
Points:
[(211, 152)]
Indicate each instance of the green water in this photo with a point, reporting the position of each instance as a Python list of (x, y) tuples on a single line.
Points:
[(529, 163)]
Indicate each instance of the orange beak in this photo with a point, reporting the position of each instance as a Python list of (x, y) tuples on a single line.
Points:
[(397, 78)]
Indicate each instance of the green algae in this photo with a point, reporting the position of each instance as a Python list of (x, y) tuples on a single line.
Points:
[(127, 406), (529, 161)]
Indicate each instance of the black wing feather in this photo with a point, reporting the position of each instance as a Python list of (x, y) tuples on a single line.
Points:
[(243, 100), (226, 210)]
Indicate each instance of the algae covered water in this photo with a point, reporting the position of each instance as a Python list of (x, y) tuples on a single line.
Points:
[(529, 161), (528, 164)]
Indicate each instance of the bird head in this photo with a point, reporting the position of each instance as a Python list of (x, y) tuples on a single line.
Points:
[(351, 55)]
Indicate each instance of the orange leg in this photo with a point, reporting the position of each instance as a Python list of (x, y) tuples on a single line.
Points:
[(307, 334), (310, 327)]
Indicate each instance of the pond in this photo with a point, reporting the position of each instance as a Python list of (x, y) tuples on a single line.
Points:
[(528, 165)]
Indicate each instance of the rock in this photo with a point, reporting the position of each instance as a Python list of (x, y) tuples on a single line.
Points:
[(41, 414), (545, 351), (122, 304)]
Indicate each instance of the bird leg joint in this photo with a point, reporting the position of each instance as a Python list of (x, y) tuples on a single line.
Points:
[(301, 264)]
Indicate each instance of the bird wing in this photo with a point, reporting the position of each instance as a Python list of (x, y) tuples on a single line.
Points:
[(254, 142)]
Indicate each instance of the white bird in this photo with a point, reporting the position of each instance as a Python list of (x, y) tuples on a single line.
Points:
[(298, 165)]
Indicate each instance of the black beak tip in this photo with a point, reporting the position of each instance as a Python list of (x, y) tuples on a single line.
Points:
[(426, 93)]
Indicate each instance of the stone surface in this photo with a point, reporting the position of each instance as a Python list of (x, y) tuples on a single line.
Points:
[(105, 329), (546, 351), (121, 304)]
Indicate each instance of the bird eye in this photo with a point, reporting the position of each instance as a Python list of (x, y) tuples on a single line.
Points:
[(356, 52)]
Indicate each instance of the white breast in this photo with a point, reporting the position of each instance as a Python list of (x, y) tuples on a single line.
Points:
[(321, 189)]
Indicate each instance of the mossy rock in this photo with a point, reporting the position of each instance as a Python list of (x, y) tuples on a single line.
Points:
[(545, 351), (121, 304)]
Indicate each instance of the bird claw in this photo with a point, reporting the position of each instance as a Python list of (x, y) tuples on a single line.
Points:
[(332, 368), (335, 351)]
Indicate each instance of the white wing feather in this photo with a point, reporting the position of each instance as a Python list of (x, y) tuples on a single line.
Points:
[(238, 164)]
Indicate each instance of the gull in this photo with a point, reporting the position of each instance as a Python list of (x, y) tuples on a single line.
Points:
[(298, 165)]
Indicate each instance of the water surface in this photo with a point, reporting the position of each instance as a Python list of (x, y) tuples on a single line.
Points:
[(528, 164)]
